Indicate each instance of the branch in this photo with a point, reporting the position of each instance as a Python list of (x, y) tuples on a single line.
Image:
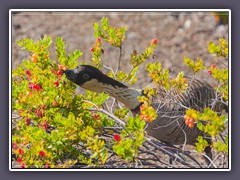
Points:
[(119, 121)]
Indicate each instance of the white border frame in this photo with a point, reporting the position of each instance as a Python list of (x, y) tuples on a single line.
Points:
[(113, 10)]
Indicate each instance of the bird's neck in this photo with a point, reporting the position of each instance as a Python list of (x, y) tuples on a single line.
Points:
[(127, 96)]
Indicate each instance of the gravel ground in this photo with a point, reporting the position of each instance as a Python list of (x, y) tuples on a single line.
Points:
[(179, 33)]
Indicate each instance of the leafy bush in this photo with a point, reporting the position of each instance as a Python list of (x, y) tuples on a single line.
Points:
[(58, 129)]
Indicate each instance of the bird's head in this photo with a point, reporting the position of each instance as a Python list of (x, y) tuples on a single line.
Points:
[(91, 78)]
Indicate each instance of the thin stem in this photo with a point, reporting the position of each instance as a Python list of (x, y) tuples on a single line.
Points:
[(119, 60)]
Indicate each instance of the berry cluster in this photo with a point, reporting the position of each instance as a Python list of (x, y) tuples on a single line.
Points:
[(145, 112), (189, 121), (61, 68), (34, 57), (31, 85), (211, 69)]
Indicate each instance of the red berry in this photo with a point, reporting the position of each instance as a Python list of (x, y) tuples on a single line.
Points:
[(46, 166), (117, 137), (59, 73), (102, 51), (55, 103), (99, 39), (56, 83), (39, 113), (60, 66), (28, 72), (22, 166), (191, 125), (42, 154), (155, 41), (45, 126), (92, 49), (20, 151), (185, 117), (210, 72), (28, 121), (19, 160), (34, 55), (191, 120), (37, 87)]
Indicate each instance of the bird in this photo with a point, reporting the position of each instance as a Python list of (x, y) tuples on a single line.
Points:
[(169, 127)]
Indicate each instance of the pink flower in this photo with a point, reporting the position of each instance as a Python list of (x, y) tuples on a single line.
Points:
[(14, 146)]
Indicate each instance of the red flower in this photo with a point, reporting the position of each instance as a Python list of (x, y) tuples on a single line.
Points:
[(46, 166), (209, 72), (19, 160), (117, 137), (155, 41), (42, 154), (20, 151)]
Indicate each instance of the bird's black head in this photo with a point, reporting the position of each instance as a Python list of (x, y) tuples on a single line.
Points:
[(91, 78), (83, 74)]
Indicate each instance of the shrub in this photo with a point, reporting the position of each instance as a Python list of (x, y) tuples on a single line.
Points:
[(59, 129)]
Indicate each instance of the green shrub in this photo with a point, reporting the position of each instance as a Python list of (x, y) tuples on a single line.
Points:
[(58, 129)]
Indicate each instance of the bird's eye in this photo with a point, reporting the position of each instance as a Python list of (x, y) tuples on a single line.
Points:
[(85, 76)]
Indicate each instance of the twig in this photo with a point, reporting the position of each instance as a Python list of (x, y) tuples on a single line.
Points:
[(119, 60), (119, 121), (222, 62)]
